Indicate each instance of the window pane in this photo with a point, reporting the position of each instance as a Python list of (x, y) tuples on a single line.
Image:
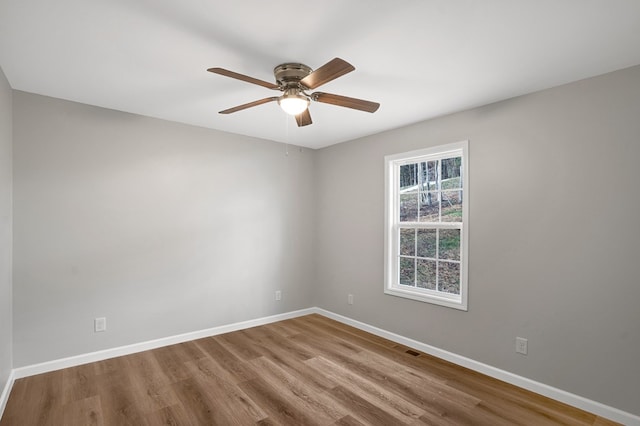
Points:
[(409, 177), (449, 277), (422, 175), (432, 174), (409, 207), (451, 173), (429, 207), (452, 206), (427, 243), (408, 242), (407, 271), (428, 176), (449, 244), (426, 274)]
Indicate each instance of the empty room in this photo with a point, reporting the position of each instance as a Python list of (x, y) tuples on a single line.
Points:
[(319, 213)]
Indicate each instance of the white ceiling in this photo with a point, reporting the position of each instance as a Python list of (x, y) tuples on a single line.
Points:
[(418, 58)]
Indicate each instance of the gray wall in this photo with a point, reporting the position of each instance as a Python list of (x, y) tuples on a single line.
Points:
[(554, 236), (165, 228), (6, 122), (161, 228)]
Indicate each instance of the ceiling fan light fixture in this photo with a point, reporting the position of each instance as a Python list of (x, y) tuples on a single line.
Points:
[(293, 103)]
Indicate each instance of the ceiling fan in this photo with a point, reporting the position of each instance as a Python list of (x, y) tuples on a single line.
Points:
[(294, 80)]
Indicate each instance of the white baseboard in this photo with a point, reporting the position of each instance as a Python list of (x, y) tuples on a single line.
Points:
[(522, 382), (73, 361), (537, 387), (4, 397)]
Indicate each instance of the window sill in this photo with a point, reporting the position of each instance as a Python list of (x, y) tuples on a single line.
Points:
[(452, 301)]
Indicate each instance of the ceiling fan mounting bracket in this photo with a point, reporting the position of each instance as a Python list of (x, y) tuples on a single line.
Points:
[(288, 75)]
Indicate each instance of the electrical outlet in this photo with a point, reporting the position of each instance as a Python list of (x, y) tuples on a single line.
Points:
[(350, 299), (99, 324), (278, 295), (521, 345)]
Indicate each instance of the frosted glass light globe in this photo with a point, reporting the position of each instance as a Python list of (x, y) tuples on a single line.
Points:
[(293, 104)]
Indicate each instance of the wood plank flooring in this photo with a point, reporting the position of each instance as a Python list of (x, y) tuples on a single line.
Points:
[(304, 371)]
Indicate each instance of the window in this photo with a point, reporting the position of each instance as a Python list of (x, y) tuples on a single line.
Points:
[(426, 224)]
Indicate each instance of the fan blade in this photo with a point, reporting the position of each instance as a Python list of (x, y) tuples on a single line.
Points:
[(346, 102), (249, 105), (304, 118), (329, 71), (243, 77)]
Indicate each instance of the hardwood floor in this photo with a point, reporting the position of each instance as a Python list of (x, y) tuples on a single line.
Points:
[(304, 371)]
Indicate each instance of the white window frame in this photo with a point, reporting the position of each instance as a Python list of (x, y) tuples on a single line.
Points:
[(392, 225)]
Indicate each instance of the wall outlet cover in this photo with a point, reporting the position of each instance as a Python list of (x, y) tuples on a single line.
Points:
[(99, 324), (521, 345)]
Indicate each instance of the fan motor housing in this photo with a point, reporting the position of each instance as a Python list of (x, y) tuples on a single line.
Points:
[(289, 74)]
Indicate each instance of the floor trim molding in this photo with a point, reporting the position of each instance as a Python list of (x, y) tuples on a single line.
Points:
[(577, 401), (523, 382), (73, 361), (4, 397)]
